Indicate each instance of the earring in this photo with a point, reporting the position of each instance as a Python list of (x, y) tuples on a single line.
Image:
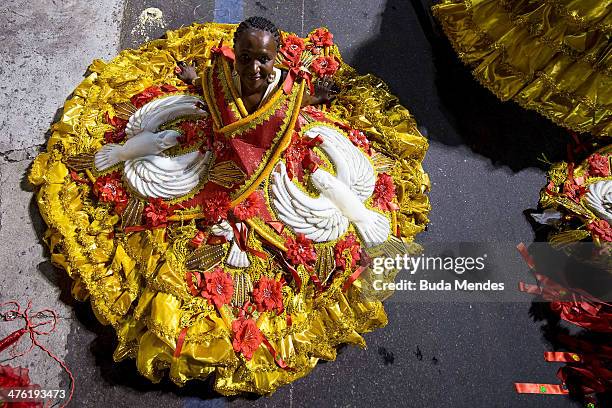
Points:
[(234, 73), (271, 77)]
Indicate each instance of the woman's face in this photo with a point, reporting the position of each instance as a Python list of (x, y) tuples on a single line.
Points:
[(255, 52)]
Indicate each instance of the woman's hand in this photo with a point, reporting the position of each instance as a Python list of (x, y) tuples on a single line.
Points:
[(325, 90), (186, 73)]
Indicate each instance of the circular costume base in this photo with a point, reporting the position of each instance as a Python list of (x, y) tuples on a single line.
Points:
[(136, 278)]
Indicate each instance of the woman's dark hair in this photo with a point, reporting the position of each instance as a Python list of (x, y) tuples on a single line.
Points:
[(258, 23)]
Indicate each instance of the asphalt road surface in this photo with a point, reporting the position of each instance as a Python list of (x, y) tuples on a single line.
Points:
[(484, 167)]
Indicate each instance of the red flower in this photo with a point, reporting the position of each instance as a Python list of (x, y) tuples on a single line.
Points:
[(267, 295), (215, 206), (192, 131), (292, 47), (250, 207), (297, 152), (109, 189), (247, 337), (359, 139), (384, 192), (599, 166), (156, 212), (572, 190), (347, 249), (322, 38), (118, 133), (324, 66), (300, 251), (11, 377), (219, 287), (601, 229), (146, 96)]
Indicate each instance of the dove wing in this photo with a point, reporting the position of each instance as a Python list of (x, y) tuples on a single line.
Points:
[(166, 177), (154, 114), (352, 166), (317, 218)]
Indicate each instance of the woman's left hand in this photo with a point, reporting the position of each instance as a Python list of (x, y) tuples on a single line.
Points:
[(325, 90)]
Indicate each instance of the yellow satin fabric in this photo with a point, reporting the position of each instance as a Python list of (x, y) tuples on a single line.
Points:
[(554, 56), (136, 282)]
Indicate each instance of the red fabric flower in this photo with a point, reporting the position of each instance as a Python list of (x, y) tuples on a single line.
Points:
[(300, 250), (247, 337), (601, 229), (118, 133), (359, 139), (599, 166), (292, 47), (146, 96), (215, 206), (109, 189), (347, 249), (219, 287), (322, 38), (156, 212), (250, 207), (572, 190), (14, 377), (193, 131), (297, 152), (267, 295), (384, 192), (324, 66)]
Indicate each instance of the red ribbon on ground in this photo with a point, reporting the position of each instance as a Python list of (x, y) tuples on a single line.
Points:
[(532, 388), (33, 331)]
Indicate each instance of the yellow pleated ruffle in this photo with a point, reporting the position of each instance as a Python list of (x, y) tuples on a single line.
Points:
[(136, 281), (553, 56)]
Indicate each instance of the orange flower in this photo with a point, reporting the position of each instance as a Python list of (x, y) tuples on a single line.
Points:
[(322, 38), (247, 337), (267, 295), (324, 66), (384, 192), (300, 251), (219, 287)]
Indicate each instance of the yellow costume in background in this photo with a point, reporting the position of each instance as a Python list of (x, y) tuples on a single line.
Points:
[(554, 57), (146, 279)]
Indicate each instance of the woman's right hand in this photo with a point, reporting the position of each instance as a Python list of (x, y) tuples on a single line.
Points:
[(186, 73)]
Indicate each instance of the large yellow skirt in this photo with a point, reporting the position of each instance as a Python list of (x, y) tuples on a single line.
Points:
[(136, 281), (554, 56)]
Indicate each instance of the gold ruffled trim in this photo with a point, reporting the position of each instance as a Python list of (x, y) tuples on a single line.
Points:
[(542, 55), (136, 281)]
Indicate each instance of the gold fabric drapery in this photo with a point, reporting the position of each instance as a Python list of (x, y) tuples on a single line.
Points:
[(553, 56)]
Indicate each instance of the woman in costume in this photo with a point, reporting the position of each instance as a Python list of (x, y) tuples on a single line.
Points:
[(224, 226)]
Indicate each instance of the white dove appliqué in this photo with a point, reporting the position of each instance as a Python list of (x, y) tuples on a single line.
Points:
[(146, 170), (341, 199)]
